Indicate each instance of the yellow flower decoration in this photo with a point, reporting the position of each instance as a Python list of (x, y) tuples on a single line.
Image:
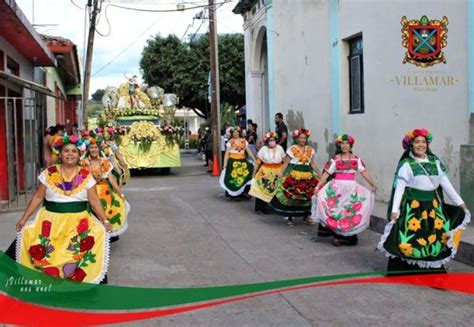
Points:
[(235, 164), (457, 238), (444, 238), (244, 165), (240, 180), (415, 204), (432, 238), (424, 215), (435, 203), (406, 249), (246, 173), (438, 224), (239, 171), (233, 174), (55, 178), (414, 224), (421, 241), (432, 214)]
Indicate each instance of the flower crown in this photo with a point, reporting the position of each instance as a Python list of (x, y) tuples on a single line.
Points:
[(345, 137), (410, 136), (299, 131), (270, 135), (63, 141)]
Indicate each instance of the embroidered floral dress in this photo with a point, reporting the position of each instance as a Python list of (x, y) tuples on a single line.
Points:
[(343, 205), (428, 231), (264, 183), (115, 208), (238, 172), (296, 187), (65, 240)]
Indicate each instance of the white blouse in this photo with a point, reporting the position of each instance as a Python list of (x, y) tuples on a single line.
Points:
[(234, 150), (271, 156), (406, 178), (294, 160), (53, 196)]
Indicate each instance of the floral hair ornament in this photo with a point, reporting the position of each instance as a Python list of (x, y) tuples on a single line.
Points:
[(299, 131), (345, 137), (410, 136), (270, 135), (63, 141)]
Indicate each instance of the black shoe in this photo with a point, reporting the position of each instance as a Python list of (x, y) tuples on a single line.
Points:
[(114, 239)]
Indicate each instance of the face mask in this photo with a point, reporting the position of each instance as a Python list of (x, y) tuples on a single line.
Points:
[(272, 144)]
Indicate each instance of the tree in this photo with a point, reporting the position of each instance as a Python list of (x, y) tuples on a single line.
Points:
[(184, 69), (97, 95)]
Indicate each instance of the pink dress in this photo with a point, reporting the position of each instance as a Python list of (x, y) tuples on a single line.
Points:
[(343, 205)]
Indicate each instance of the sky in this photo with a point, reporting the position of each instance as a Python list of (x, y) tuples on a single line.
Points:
[(128, 30)]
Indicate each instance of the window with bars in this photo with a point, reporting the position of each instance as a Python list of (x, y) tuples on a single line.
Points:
[(356, 75)]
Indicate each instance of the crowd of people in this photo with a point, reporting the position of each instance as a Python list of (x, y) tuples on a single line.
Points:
[(81, 207), (423, 232)]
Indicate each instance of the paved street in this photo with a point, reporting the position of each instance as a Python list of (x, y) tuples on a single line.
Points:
[(183, 234)]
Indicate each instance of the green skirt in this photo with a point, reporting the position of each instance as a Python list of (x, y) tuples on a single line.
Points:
[(236, 176), (427, 232), (294, 191)]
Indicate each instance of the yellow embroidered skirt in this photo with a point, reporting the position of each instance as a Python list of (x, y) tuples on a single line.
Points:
[(116, 208), (65, 241), (264, 183)]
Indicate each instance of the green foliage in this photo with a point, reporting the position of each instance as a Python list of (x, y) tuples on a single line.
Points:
[(97, 95), (184, 69), (228, 115)]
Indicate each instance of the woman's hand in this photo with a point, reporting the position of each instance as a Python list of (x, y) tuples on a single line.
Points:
[(394, 216), (20, 224), (107, 225), (373, 188), (464, 207)]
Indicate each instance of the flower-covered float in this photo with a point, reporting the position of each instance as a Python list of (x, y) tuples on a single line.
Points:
[(147, 116)]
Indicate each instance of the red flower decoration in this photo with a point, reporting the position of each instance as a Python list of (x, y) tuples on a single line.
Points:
[(52, 169), (344, 224), (357, 206), (52, 271), (84, 172), (37, 251), (78, 275), (83, 226), (46, 228), (356, 220), (331, 223), (354, 164), (87, 243)]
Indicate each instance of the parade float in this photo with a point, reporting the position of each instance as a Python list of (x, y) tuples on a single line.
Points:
[(146, 115)]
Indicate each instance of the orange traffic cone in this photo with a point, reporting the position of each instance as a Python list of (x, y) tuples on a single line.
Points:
[(215, 167)]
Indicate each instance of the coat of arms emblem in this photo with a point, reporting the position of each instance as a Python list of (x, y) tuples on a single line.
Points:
[(424, 40)]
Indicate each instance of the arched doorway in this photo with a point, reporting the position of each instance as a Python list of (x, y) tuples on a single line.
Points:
[(260, 72)]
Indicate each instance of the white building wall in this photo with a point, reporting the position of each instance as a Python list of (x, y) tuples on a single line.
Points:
[(302, 68), (392, 109)]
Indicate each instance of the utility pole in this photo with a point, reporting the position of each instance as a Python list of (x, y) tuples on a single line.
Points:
[(215, 92), (90, 47)]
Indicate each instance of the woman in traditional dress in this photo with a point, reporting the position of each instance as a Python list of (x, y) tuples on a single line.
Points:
[(424, 232), (65, 240), (113, 154), (237, 174), (299, 178), (343, 207), (58, 134), (110, 195), (269, 162)]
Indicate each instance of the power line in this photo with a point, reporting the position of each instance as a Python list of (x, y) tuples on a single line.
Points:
[(128, 47), (167, 10), (72, 1)]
